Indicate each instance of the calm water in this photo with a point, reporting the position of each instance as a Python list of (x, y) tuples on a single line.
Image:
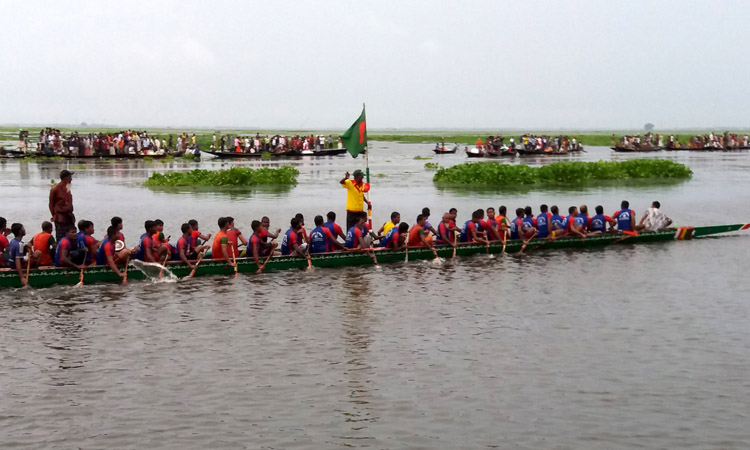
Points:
[(623, 347)]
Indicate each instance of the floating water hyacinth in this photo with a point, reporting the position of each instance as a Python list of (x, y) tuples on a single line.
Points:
[(236, 176), (496, 174)]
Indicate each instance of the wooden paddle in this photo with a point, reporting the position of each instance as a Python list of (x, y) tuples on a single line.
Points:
[(263, 266), (163, 266), (80, 281), (406, 247), (200, 257), (234, 261), (505, 239), (125, 277), (309, 261), (455, 243), (28, 269)]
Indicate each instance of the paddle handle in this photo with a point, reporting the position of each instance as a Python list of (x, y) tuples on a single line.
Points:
[(200, 257), (455, 242), (28, 269)]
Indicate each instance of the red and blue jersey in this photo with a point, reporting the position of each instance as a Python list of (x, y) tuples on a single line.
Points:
[(321, 240), (63, 244), (144, 243), (85, 241), (543, 222), (467, 234), (624, 219), (557, 221), (352, 237), (334, 228), (290, 238), (106, 249), (516, 225), (183, 243), (599, 223), (390, 240), (445, 230)]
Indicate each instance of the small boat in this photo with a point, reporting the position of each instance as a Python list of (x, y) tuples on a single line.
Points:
[(444, 150), (115, 156), (474, 152), (636, 150), (279, 154), (99, 274), (501, 151)]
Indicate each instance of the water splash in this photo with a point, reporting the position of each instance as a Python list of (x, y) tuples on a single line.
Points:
[(155, 271)]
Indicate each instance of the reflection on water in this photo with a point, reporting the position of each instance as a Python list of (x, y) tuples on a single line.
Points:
[(618, 347)]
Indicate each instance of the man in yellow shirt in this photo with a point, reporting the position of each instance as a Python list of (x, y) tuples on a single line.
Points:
[(355, 197)]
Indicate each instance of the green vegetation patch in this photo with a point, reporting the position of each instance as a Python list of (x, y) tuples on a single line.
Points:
[(496, 174), (236, 176), (431, 165)]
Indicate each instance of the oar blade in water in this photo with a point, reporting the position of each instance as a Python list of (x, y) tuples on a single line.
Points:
[(153, 270)]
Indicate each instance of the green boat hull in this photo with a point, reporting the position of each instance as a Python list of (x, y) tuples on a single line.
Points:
[(101, 274)]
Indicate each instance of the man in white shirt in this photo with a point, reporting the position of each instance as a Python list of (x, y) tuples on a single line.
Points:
[(653, 219)]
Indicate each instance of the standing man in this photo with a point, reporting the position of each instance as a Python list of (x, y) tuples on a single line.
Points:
[(61, 205), (355, 197)]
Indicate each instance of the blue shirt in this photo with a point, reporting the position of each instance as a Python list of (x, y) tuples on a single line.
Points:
[(16, 250), (599, 223), (623, 219), (388, 237), (542, 224), (318, 240), (557, 221)]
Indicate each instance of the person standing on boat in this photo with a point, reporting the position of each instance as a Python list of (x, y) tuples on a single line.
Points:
[(61, 204), (355, 197)]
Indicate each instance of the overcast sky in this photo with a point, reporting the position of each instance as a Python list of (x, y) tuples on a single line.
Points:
[(417, 64)]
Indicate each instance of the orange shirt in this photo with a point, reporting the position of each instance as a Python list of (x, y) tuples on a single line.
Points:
[(414, 240), (216, 246), (41, 243)]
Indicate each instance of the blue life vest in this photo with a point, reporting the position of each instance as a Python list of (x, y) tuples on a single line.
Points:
[(318, 240), (443, 230), (528, 222), (599, 223), (623, 219), (330, 226), (542, 224)]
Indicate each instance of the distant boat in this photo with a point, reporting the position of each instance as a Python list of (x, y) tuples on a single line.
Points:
[(279, 154), (441, 150)]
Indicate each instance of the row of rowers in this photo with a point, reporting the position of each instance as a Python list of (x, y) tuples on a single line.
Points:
[(79, 248)]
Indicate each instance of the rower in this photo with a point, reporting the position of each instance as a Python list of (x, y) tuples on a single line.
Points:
[(355, 236), (303, 232), (625, 217), (220, 246), (321, 238), (575, 223), (503, 223), (599, 222), (266, 233), (446, 231), (43, 246), (292, 244), (491, 224), (543, 222), (117, 222), (3, 239), (516, 225), (418, 237), (160, 241), (235, 237), (557, 223), (454, 213), (395, 238), (395, 219), (333, 226), (473, 231), (196, 234), (145, 249), (654, 219), (528, 230), (185, 249), (109, 255), (86, 242), (16, 250), (427, 225), (64, 247), (584, 211), (258, 248)]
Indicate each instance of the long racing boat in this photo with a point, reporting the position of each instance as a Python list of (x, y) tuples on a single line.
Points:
[(43, 277)]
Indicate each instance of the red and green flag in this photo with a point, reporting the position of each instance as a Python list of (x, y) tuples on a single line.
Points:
[(355, 138)]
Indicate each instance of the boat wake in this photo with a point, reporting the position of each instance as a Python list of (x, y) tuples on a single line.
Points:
[(155, 272)]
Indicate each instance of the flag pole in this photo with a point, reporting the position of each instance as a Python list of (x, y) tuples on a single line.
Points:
[(367, 175)]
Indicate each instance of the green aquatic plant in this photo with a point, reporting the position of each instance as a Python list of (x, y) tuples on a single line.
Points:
[(236, 176), (381, 175), (431, 165), (496, 174), (265, 156), (422, 157)]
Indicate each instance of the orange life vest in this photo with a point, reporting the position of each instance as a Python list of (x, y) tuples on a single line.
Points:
[(41, 243), (216, 245)]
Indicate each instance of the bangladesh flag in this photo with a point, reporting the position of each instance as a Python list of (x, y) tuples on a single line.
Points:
[(355, 138)]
